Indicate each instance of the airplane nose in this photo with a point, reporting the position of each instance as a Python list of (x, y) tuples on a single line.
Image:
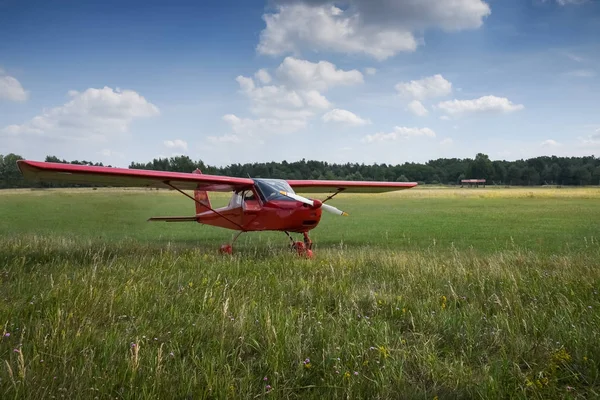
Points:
[(317, 204)]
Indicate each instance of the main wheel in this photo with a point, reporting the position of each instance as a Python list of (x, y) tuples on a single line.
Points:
[(226, 249), (299, 247)]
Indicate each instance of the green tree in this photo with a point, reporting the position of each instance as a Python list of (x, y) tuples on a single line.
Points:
[(10, 176), (481, 167), (596, 176), (514, 174)]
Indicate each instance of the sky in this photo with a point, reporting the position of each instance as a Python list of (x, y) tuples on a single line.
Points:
[(373, 81)]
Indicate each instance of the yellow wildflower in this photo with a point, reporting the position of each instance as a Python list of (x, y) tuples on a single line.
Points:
[(385, 353)]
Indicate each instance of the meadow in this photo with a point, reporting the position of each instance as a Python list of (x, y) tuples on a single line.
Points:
[(421, 294)]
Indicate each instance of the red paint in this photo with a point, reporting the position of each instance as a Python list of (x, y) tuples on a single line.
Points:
[(290, 216), (107, 176), (312, 186)]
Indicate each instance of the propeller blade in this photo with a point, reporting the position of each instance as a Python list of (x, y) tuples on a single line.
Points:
[(311, 203), (334, 210), (297, 198)]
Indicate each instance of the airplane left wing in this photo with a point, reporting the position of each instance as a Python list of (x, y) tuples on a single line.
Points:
[(107, 176), (322, 186)]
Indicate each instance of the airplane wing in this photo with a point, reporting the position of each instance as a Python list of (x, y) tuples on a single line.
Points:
[(313, 186), (107, 176)]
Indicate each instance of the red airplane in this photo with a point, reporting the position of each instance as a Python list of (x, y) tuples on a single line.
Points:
[(256, 204)]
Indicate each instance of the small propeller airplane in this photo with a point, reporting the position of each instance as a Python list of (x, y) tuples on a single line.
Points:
[(255, 205)]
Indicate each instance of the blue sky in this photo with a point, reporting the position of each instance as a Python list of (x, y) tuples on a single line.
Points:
[(352, 80)]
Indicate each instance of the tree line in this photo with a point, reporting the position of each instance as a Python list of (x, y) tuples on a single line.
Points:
[(546, 170)]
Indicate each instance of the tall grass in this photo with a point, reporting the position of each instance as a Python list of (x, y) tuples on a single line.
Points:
[(94, 319)]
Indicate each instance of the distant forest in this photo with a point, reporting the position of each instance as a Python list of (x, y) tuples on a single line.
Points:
[(449, 171)]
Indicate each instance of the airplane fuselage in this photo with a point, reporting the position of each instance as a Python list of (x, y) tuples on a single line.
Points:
[(291, 216)]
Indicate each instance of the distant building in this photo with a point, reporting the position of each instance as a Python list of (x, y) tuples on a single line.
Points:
[(472, 182)]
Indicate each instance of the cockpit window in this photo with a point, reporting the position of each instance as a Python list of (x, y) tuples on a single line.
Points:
[(269, 189)]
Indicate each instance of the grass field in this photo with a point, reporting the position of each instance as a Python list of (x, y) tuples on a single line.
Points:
[(447, 293)]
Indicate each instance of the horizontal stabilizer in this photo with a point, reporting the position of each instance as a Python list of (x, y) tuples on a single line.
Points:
[(174, 219)]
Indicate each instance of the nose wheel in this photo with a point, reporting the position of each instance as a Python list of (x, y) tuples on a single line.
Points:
[(304, 249)]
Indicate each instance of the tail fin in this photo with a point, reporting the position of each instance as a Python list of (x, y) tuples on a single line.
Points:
[(201, 196)]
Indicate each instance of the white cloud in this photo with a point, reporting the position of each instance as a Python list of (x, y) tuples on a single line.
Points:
[(569, 2), (447, 142), (417, 108), (261, 126), (445, 118), (432, 86), (280, 102), (550, 143), (399, 133), (300, 26), (263, 76), (370, 71), (582, 73), (111, 153), (486, 104), (288, 100), (224, 139), (295, 73), (285, 103), (11, 89), (176, 144), (591, 140), (344, 117), (575, 57), (378, 28), (98, 113)]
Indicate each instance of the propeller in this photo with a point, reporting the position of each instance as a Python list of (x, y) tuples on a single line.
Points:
[(314, 203)]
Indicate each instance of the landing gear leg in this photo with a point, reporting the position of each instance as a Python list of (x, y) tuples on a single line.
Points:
[(290, 237), (304, 249), (308, 244), (307, 241), (228, 248)]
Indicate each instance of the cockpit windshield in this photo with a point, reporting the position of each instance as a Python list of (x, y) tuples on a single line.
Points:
[(269, 189)]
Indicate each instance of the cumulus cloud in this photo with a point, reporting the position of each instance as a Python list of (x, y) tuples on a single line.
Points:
[(285, 102), (575, 57), (399, 133), (417, 108), (344, 117), (11, 89), (261, 126), (485, 104), (299, 26), (378, 28), (429, 87), (571, 2), (591, 140), (263, 76), (176, 144), (279, 101), (111, 153), (98, 113), (295, 73), (224, 139), (582, 73), (370, 71), (550, 143)]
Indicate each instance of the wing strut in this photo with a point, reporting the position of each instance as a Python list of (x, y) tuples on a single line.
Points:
[(333, 195), (203, 205)]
